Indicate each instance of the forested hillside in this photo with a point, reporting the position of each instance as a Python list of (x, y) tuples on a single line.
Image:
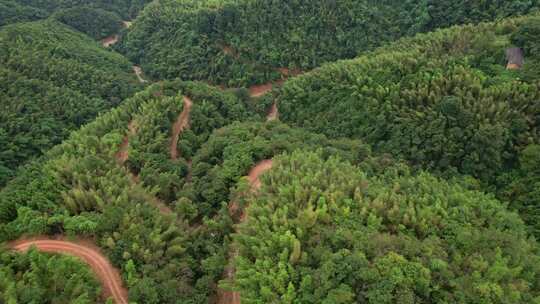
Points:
[(443, 101), (324, 231), (243, 42), (43, 278), (12, 11), (409, 174), (53, 80), (167, 229)]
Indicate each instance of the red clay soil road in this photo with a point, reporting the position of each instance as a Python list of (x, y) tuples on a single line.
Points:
[(233, 297), (108, 41), (181, 123), (123, 153), (90, 254)]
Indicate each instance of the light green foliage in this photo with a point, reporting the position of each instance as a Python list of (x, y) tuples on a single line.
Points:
[(35, 277), (385, 238)]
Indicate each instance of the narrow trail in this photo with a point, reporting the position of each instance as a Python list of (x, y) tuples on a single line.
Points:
[(138, 72), (233, 297), (181, 123), (123, 155), (108, 275)]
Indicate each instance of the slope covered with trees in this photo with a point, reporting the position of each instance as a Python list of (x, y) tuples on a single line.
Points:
[(12, 11), (243, 42), (52, 80), (328, 232), (80, 188), (443, 101), (393, 177), (35, 277), (94, 22)]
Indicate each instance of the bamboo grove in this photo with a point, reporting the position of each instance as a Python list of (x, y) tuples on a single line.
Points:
[(405, 160)]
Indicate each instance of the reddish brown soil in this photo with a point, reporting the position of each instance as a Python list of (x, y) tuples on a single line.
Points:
[(108, 41), (181, 123), (256, 172), (261, 89), (233, 297), (90, 254), (513, 66), (286, 72), (123, 153)]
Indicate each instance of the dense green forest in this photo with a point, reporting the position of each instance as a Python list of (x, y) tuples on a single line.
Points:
[(409, 174), (79, 188), (443, 101), (324, 231), (36, 277), (12, 11), (52, 80), (96, 23), (242, 42)]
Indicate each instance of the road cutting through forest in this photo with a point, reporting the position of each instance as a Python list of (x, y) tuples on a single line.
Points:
[(181, 123), (123, 155), (233, 297), (85, 250)]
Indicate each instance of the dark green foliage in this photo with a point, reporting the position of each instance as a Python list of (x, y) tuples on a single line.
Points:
[(12, 12), (35, 277), (52, 81), (521, 187), (28, 10), (435, 100), (447, 13), (96, 23), (242, 42), (528, 37), (326, 232)]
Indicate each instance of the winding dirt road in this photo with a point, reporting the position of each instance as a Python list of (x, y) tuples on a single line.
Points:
[(181, 123), (123, 155), (233, 297), (90, 254)]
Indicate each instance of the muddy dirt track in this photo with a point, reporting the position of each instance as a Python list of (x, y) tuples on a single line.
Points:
[(181, 123), (233, 297), (90, 254)]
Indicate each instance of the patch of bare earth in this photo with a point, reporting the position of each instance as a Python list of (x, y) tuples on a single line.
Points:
[(233, 297), (181, 123), (108, 41), (88, 252)]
